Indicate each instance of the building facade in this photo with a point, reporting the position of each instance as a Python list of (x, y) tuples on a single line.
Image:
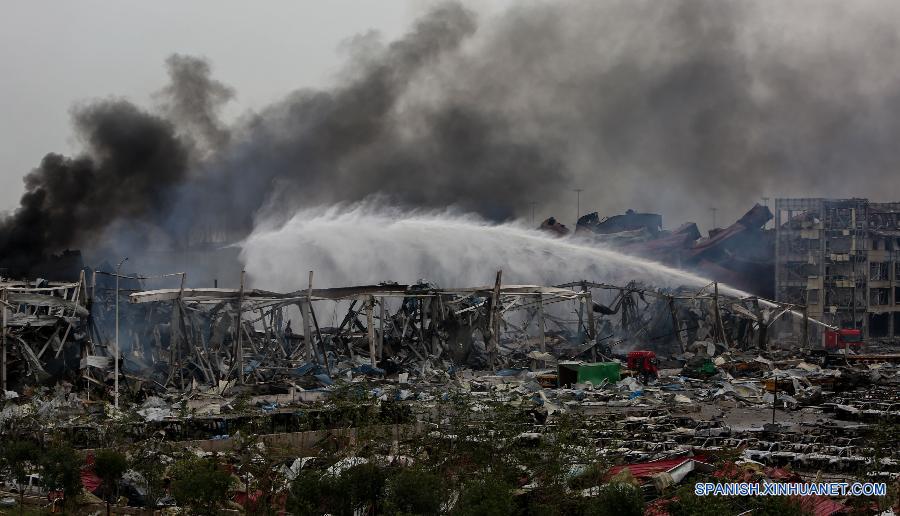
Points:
[(841, 258)]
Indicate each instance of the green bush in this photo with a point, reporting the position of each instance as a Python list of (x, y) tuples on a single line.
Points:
[(590, 477), (488, 496), (413, 491), (363, 485), (616, 499), (315, 492), (199, 484), (312, 493)]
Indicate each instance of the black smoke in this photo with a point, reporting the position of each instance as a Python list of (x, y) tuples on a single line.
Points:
[(131, 161), (671, 107)]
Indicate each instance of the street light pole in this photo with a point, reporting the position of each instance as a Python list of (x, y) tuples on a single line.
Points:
[(116, 368), (577, 204)]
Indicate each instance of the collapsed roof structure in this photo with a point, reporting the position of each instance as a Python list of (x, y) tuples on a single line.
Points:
[(183, 337), (741, 255)]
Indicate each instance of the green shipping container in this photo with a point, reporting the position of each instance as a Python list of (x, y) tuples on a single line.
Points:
[(596, 373)]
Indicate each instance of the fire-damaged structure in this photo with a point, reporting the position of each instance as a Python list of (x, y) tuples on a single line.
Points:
[(840, 257), (248, 335), (183, 337), (741, 255), (45, 331)]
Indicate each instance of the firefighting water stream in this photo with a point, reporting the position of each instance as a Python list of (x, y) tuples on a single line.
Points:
[(362, 244)]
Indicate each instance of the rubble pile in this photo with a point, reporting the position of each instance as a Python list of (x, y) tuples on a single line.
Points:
[(616, 377)]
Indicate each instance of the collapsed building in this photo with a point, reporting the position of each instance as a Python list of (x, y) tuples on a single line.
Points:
[(201, 367), (741, 255), (183, 337)]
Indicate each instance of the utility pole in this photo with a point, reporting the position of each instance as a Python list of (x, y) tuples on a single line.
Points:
[(238, 333), (713, 210), (765, 201), (3, 297), (578, 204), (532, 203), (118, 349)]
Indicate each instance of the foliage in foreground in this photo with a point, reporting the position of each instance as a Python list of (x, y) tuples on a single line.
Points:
[(199, 484)]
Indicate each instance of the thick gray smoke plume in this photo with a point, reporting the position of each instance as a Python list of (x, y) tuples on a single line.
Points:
[(666, 106), (131, 161), (194, 100), (671, 107)]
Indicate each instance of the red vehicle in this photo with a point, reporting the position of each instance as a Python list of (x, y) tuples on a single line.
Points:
[(644, 363), (844, 338)]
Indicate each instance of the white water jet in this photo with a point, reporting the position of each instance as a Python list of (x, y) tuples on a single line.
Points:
[(365, 244)]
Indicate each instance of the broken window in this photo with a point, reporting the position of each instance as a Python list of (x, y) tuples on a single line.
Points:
[(879, 325), (879, 271), (880, 296)]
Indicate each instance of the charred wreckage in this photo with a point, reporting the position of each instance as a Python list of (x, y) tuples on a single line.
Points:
[(661, 377)]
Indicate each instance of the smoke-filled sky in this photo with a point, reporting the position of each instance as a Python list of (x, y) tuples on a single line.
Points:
[(57, 54), (673, 107)]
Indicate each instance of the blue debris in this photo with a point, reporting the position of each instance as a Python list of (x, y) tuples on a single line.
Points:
[(635, 394), (509, 372), (673, 387), (324, 378), (368, 370), (308, 368)]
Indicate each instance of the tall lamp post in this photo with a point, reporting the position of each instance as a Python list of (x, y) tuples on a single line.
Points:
[(577, 204), (116, 367)]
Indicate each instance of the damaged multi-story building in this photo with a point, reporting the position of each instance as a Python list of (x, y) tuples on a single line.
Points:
[(841, 258)]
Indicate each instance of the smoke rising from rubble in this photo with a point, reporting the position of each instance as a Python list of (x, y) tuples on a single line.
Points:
[(669, 107), (131, 160), (365, 244)]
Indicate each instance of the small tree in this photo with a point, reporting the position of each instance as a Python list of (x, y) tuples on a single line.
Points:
[(313, 493), (412, 491), (489, 496), (61, 469), (617, 499), (363, 485), (109, 465), (199, 484), (18, 459)]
